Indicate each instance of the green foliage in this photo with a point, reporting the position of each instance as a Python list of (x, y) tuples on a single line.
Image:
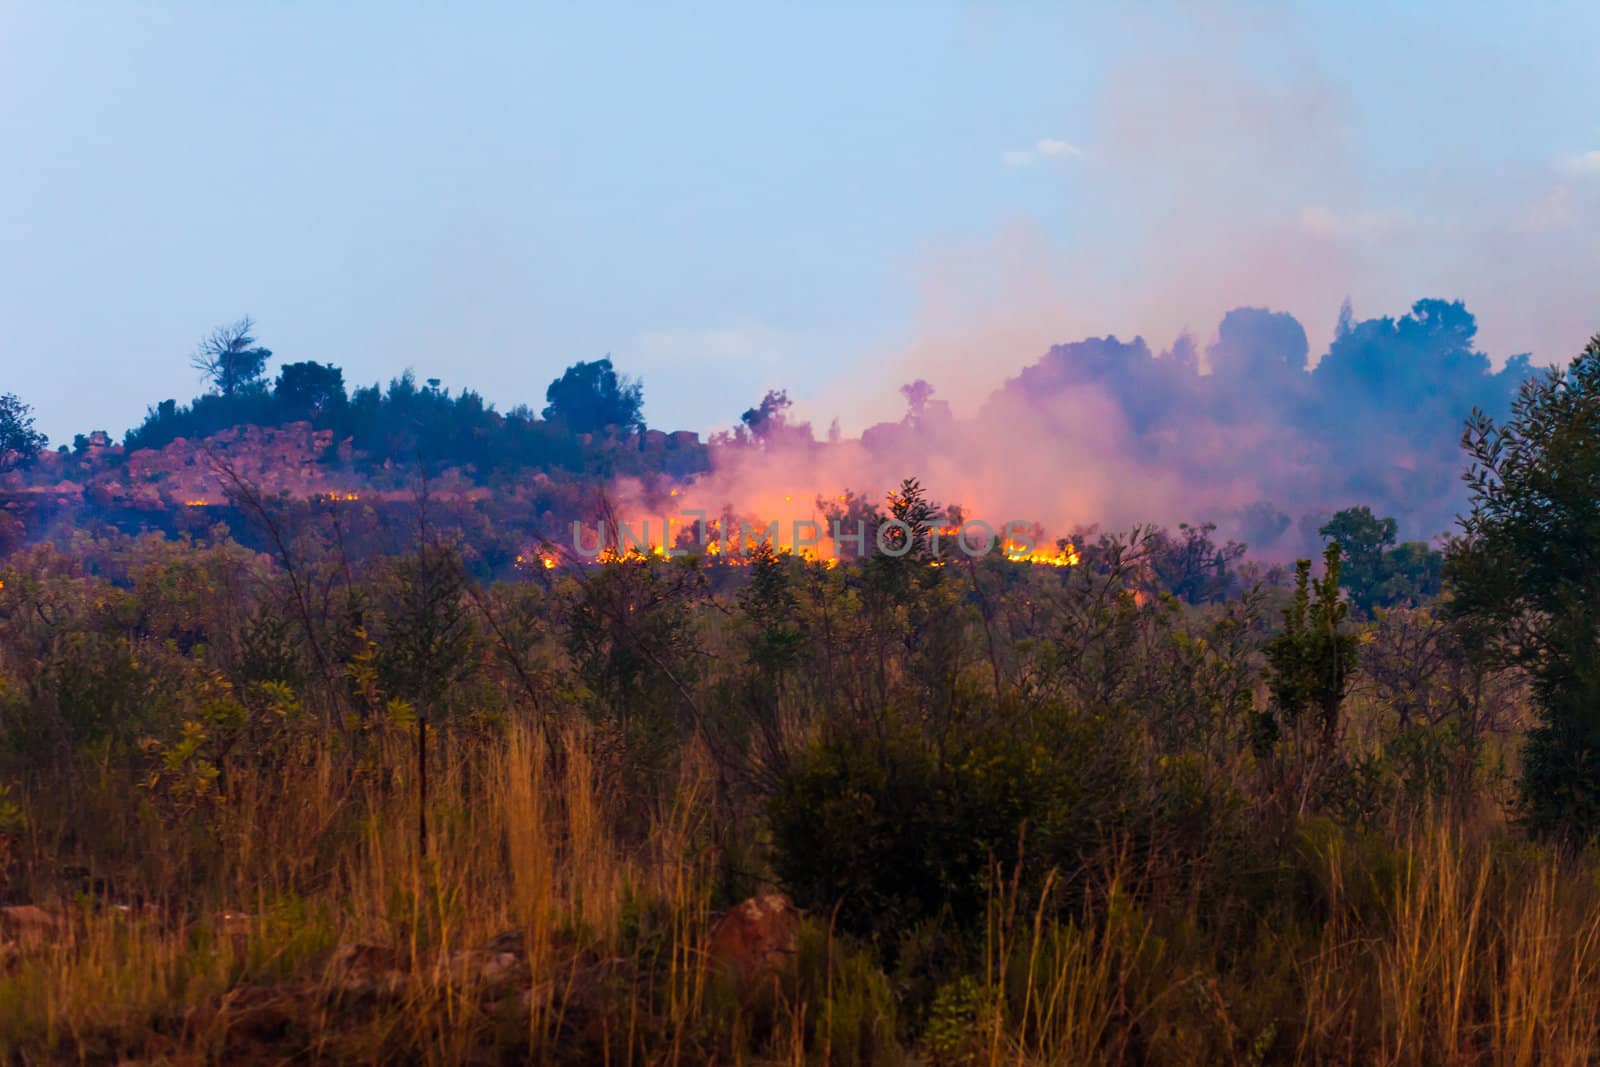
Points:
[(958, 1022), (892, 828), (1309, 664), (1526, 579), (185, 779), (427, 635), (1014, 800), (1375, 572), (768, 602), (851, 1005), (19, 441), (412, 424), (633, 645)]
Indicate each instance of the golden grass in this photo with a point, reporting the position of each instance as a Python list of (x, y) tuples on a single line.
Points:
[(1448, 943)]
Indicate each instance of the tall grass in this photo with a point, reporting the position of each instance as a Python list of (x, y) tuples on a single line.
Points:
[(1445, 940), (521, 851)]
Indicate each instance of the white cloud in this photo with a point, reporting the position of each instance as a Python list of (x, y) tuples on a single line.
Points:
[(1049, 146), (1582, 164), (1043, 148)]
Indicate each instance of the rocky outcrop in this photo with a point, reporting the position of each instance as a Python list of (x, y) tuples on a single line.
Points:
[(367, 970), (756, 938), (27, 926)]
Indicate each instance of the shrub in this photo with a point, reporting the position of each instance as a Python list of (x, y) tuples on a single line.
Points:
[(892, 827)]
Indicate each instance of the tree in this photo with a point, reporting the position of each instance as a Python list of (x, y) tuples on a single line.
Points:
[(1310, 663), (1378, 572), (428, 637), (230, 358), (590, 397), (309, 389), (19, 441), (1364, 538), (1525, 577), (1191, 566), (768, 415)]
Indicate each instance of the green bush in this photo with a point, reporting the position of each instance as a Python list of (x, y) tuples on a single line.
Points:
[(889, 827)]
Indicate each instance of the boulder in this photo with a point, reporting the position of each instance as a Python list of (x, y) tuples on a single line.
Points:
[(29, 926), (485, 966), (359, 970), (757, 937)]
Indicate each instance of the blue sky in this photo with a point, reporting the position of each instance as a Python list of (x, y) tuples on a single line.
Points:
[(830, 198)]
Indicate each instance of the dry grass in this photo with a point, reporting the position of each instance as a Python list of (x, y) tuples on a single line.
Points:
[(520, 850), (1449, 943)]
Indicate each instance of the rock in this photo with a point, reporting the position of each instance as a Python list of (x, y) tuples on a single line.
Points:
[(478, 966), (29, 926), (757, 937), (502, 961), (359, 970), (254, 1024)]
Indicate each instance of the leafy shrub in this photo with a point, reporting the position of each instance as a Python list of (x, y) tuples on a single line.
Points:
[(892, 827)]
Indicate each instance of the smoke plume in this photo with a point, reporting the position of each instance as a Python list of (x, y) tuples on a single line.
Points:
[(1247, 433)]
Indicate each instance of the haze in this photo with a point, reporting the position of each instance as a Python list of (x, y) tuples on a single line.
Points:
[(730, 199)]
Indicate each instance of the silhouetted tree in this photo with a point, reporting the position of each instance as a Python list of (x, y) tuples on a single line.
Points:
[(768, 414), (1364, 538), (309, 389), (1191, 566), (1310, 663), (1526, 579), (1378, 573), (427, 638), (591, 396), (230, 358), (19, 441)]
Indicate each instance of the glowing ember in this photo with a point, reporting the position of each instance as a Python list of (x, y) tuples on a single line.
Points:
[(1065, 556)]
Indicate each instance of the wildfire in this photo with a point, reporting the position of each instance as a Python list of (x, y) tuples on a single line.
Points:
[(1065, 556), (727, 538), (715, 553)]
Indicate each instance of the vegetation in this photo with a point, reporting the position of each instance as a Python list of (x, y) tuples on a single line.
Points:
[(1376, 570), (1527, 575), (1028, 812), (230, 359), (411, 423), (591, 398), (19, 441), (359, 793)]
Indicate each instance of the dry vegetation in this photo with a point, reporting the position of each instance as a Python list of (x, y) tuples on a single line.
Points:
[(531, 931), (1027, 814)]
